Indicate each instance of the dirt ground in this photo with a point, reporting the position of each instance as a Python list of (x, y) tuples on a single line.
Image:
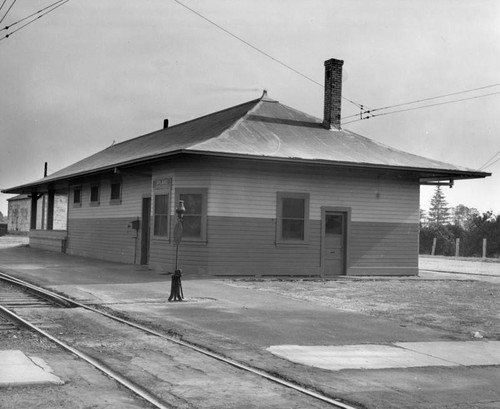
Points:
[(468, 309)]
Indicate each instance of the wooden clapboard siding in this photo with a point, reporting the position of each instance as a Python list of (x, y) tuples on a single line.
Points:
[(240, 246), (193, 257), (133, 189), (104, 231), (241, 222), (244, 189), (237, 191), (241, 218), (383, 245), (52, 240), (250, 243), (103, 238)]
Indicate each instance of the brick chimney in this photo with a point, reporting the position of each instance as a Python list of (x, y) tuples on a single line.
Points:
[(333, 93)]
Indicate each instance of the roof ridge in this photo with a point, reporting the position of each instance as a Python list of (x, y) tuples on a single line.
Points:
[(224, 134), (183, 123), (303, 113)]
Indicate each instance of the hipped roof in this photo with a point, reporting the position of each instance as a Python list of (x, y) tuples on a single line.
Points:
[(261, 129)]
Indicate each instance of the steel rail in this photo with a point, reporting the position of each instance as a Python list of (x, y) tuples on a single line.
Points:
[(336, 403), (41, 292), (108, 371)]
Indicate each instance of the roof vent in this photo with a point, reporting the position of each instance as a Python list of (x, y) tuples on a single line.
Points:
[(165, 123)]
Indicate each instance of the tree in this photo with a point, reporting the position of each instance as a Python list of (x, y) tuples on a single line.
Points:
[(439, 212), (423, 217), (484, 226), (463, 216)]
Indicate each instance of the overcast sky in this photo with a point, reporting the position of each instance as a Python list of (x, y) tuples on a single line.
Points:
[(94, 72)]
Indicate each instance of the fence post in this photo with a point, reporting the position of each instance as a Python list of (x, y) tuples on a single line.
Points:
[(484, 248), (457, 247), (433, 246)]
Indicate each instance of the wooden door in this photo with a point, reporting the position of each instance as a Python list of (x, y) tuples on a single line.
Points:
[(334, 228), (146, 216)]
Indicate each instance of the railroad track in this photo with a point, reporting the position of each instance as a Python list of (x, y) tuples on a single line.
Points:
[(34, 296), (14, 295)]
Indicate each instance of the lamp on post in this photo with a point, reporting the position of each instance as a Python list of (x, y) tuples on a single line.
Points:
[(180, 209), (176, 293), (179, 228)]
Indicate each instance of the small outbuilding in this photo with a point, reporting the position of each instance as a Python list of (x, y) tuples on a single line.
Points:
[(19, 214), (267, 190), (3, 228)]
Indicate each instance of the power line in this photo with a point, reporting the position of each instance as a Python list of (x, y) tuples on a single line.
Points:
[(258, 49), (423, 100), (439, 96), (62, 2), (3, 3), (423, 106), (491, 164), (7, 12), (487, 163), (31, 15)]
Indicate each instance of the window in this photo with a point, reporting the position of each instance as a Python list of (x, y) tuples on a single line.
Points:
[(77, 196), (292, 215), (116, 192), (94, 195), (195, 216), (161, 216), (334, 224)]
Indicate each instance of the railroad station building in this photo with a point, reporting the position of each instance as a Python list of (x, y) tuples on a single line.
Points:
[(268, 190)]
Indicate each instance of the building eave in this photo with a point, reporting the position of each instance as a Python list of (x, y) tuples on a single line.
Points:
[(424, 175)]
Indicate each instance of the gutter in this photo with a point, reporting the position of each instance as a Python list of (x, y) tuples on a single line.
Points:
[(436, 175)]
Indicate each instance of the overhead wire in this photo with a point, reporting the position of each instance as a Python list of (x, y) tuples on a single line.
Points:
[(422, 106), (31, 15), (7, 12), (437, 97), (54, 6), (487, 163), (3, 3), (491, 164), (258, 49), (366, 112), (361, 106)]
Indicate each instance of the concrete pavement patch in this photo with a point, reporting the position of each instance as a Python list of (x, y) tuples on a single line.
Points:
[(399, 355), (340, 357), (467, 353), (18, 369)]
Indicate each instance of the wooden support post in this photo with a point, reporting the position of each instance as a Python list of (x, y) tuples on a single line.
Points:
[(484, 248), (50, 210), (42, 221), (457, 247), (34, 200), (434, 246)]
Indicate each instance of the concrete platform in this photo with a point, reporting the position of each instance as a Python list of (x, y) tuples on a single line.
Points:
[(16, 369), (398, 355)]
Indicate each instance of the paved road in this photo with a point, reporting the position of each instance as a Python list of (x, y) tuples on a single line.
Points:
[(457, 268)]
